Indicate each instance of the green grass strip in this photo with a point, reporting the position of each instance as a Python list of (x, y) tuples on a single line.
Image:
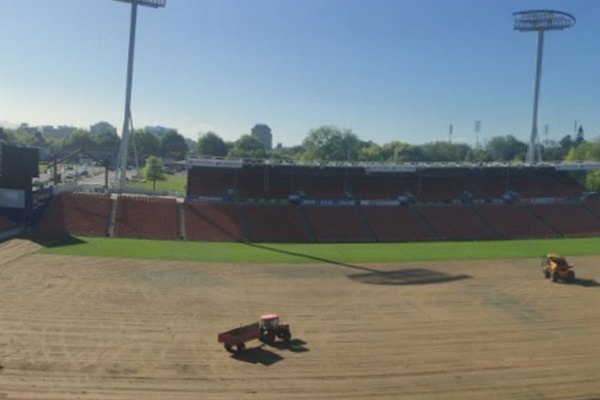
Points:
[(172, 183), (320, 253)]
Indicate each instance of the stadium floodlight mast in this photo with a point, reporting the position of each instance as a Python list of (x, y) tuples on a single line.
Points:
[(539, 21), (124, 147)]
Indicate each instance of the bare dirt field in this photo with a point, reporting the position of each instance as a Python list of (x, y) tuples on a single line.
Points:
[(104, 328)]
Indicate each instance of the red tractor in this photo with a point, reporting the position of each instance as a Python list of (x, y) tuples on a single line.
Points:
[(267, 330)]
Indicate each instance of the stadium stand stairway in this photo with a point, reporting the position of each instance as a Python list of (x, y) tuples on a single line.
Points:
[(593, 207), (146, 217), (335, 224), (397, 223), (569, 219), (456, 222), (180, 220), (9, 228), (543, 221), (513, 221), (432, 232), (310, 234), (112, 214), (496, 234), (274, 223), (367, 224), (75, 213), (212, 221), (243, 222)]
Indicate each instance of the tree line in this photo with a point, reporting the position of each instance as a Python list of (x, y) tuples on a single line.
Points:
[(171, 145), (327, 143), (332, 144)]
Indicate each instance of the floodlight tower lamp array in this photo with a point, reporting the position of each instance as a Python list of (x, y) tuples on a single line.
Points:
[(536, 20), (539, 21), (148, 3)]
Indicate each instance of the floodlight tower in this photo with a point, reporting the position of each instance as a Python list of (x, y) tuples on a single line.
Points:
[(124, 147), (539, 21)]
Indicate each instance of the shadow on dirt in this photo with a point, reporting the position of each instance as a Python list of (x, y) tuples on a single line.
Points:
[(413, 276), (257, 355), (262, 355), (306, 256), (585, 282), (294, 345), (55, 241)]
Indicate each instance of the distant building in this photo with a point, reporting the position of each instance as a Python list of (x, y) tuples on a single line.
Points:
[(101, 127), (158, 131), (32, 130), (263, 133), (59, 132), (191, 143)]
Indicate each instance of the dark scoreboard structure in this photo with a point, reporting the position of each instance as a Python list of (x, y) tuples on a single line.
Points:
[(18, 166)]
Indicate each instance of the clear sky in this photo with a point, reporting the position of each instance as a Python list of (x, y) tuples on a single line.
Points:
[(386, 69)]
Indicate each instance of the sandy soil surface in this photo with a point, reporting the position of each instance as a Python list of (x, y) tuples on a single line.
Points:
[(103, 328)]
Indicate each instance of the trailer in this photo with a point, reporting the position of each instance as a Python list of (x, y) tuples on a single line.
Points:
[(267, 330)]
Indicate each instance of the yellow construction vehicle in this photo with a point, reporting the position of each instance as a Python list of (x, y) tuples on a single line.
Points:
[(557, 267)]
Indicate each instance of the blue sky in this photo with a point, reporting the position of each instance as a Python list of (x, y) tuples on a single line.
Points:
[(386, 69)]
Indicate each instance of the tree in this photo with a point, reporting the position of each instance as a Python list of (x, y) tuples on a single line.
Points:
[(79, 138), (478, 155), (506, 148), (551, 151), (592, 181), (247, 146), (586, 151), (288, 154), (394, 151), (580, 136), (566, 144), (370, 152), (146, 144), (210, 144), (39, 139), (154, 170), (31, 138), (174, 146), (329, 143), (54, 143), (107, 140), (407, 153), (445, 151)]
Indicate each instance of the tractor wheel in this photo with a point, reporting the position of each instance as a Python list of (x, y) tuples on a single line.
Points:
[(554, 276), (546, 273), (229, 348), (570, 276), (268, 337), (241, 347), (286, 336)]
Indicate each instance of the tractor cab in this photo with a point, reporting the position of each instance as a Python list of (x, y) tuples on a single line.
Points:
[(270, 328), (558, 261), (557, 267), (269, 321)]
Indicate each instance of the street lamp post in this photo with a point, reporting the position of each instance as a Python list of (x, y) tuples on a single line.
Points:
[(124, 147), (539, 21)]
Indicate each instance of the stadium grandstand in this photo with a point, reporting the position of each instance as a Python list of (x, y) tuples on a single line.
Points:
[(262, 201)]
